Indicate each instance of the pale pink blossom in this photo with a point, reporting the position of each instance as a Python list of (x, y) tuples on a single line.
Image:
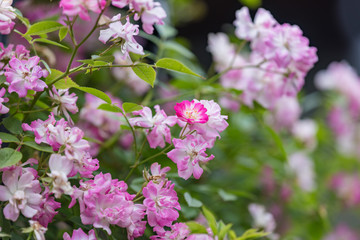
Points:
[(158, 174), (150, 13), (60, 167), (188, 154), (3, 109), (22, 191), (39, 230), (7, 16), (303, 169), (157, 126), (79, 234), (40, 128), (191, 112), (179, 231), (72, 8), (216, 123), (125, 33), (161, 204), (263, 220), (6, 54), (24, 75), (246, 29), (64, 102)]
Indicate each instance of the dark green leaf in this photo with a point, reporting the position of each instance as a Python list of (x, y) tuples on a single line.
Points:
[(110, 108), (44, 40), (9, 157), (62, 33), (130, 107), (39, 147), (43, 27), (146, 73), (5, 137), (13, 125), (96, 93), (175, 65)]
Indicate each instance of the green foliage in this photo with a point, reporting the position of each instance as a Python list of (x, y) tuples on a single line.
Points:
[(175, 65), (13, 125), (9, 156), (252, 234), (145, 72), (131, 107), (43, 27), (192, 202)]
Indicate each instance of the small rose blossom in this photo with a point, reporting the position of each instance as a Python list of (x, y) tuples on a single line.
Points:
[(120, 3), (60, 167), (23, 193), (263, 220), (47, 209), (125, 32), (191, 112), (72, 8), (188, 154), (64, 102), (158, 130), (161, 203), (158, 174), (179, 231), (24, 75), (38, 229)]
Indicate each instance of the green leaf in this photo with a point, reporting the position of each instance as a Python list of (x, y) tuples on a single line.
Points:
[(65, 83), (43, 27), (5, 137), (224, 229), (44, 40), (62, 33), (106, 58), (13, 125), (226, 196), (96, 93), (131, 107), (211, 219), (175, 65), (39, 147), (9, 157), (145, 72), (196, 227), (278, 141), (252, 233), (166, 31), (110, 108), (192, 202)]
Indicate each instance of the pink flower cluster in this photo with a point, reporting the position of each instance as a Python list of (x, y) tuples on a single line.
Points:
[(60, 136), (104, 125), (6, 54), (73, 8), (7, 16), (276, 67), (104, 202), (344, 116), (79, 234), (23, 75), (149, 11), (203, 121)]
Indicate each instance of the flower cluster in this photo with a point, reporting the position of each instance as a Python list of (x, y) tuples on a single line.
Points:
[(347, 187), (24, 75), (60, 136), (104, 202), (276, 66), (263, 220), (7, 53), (64, 102)]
